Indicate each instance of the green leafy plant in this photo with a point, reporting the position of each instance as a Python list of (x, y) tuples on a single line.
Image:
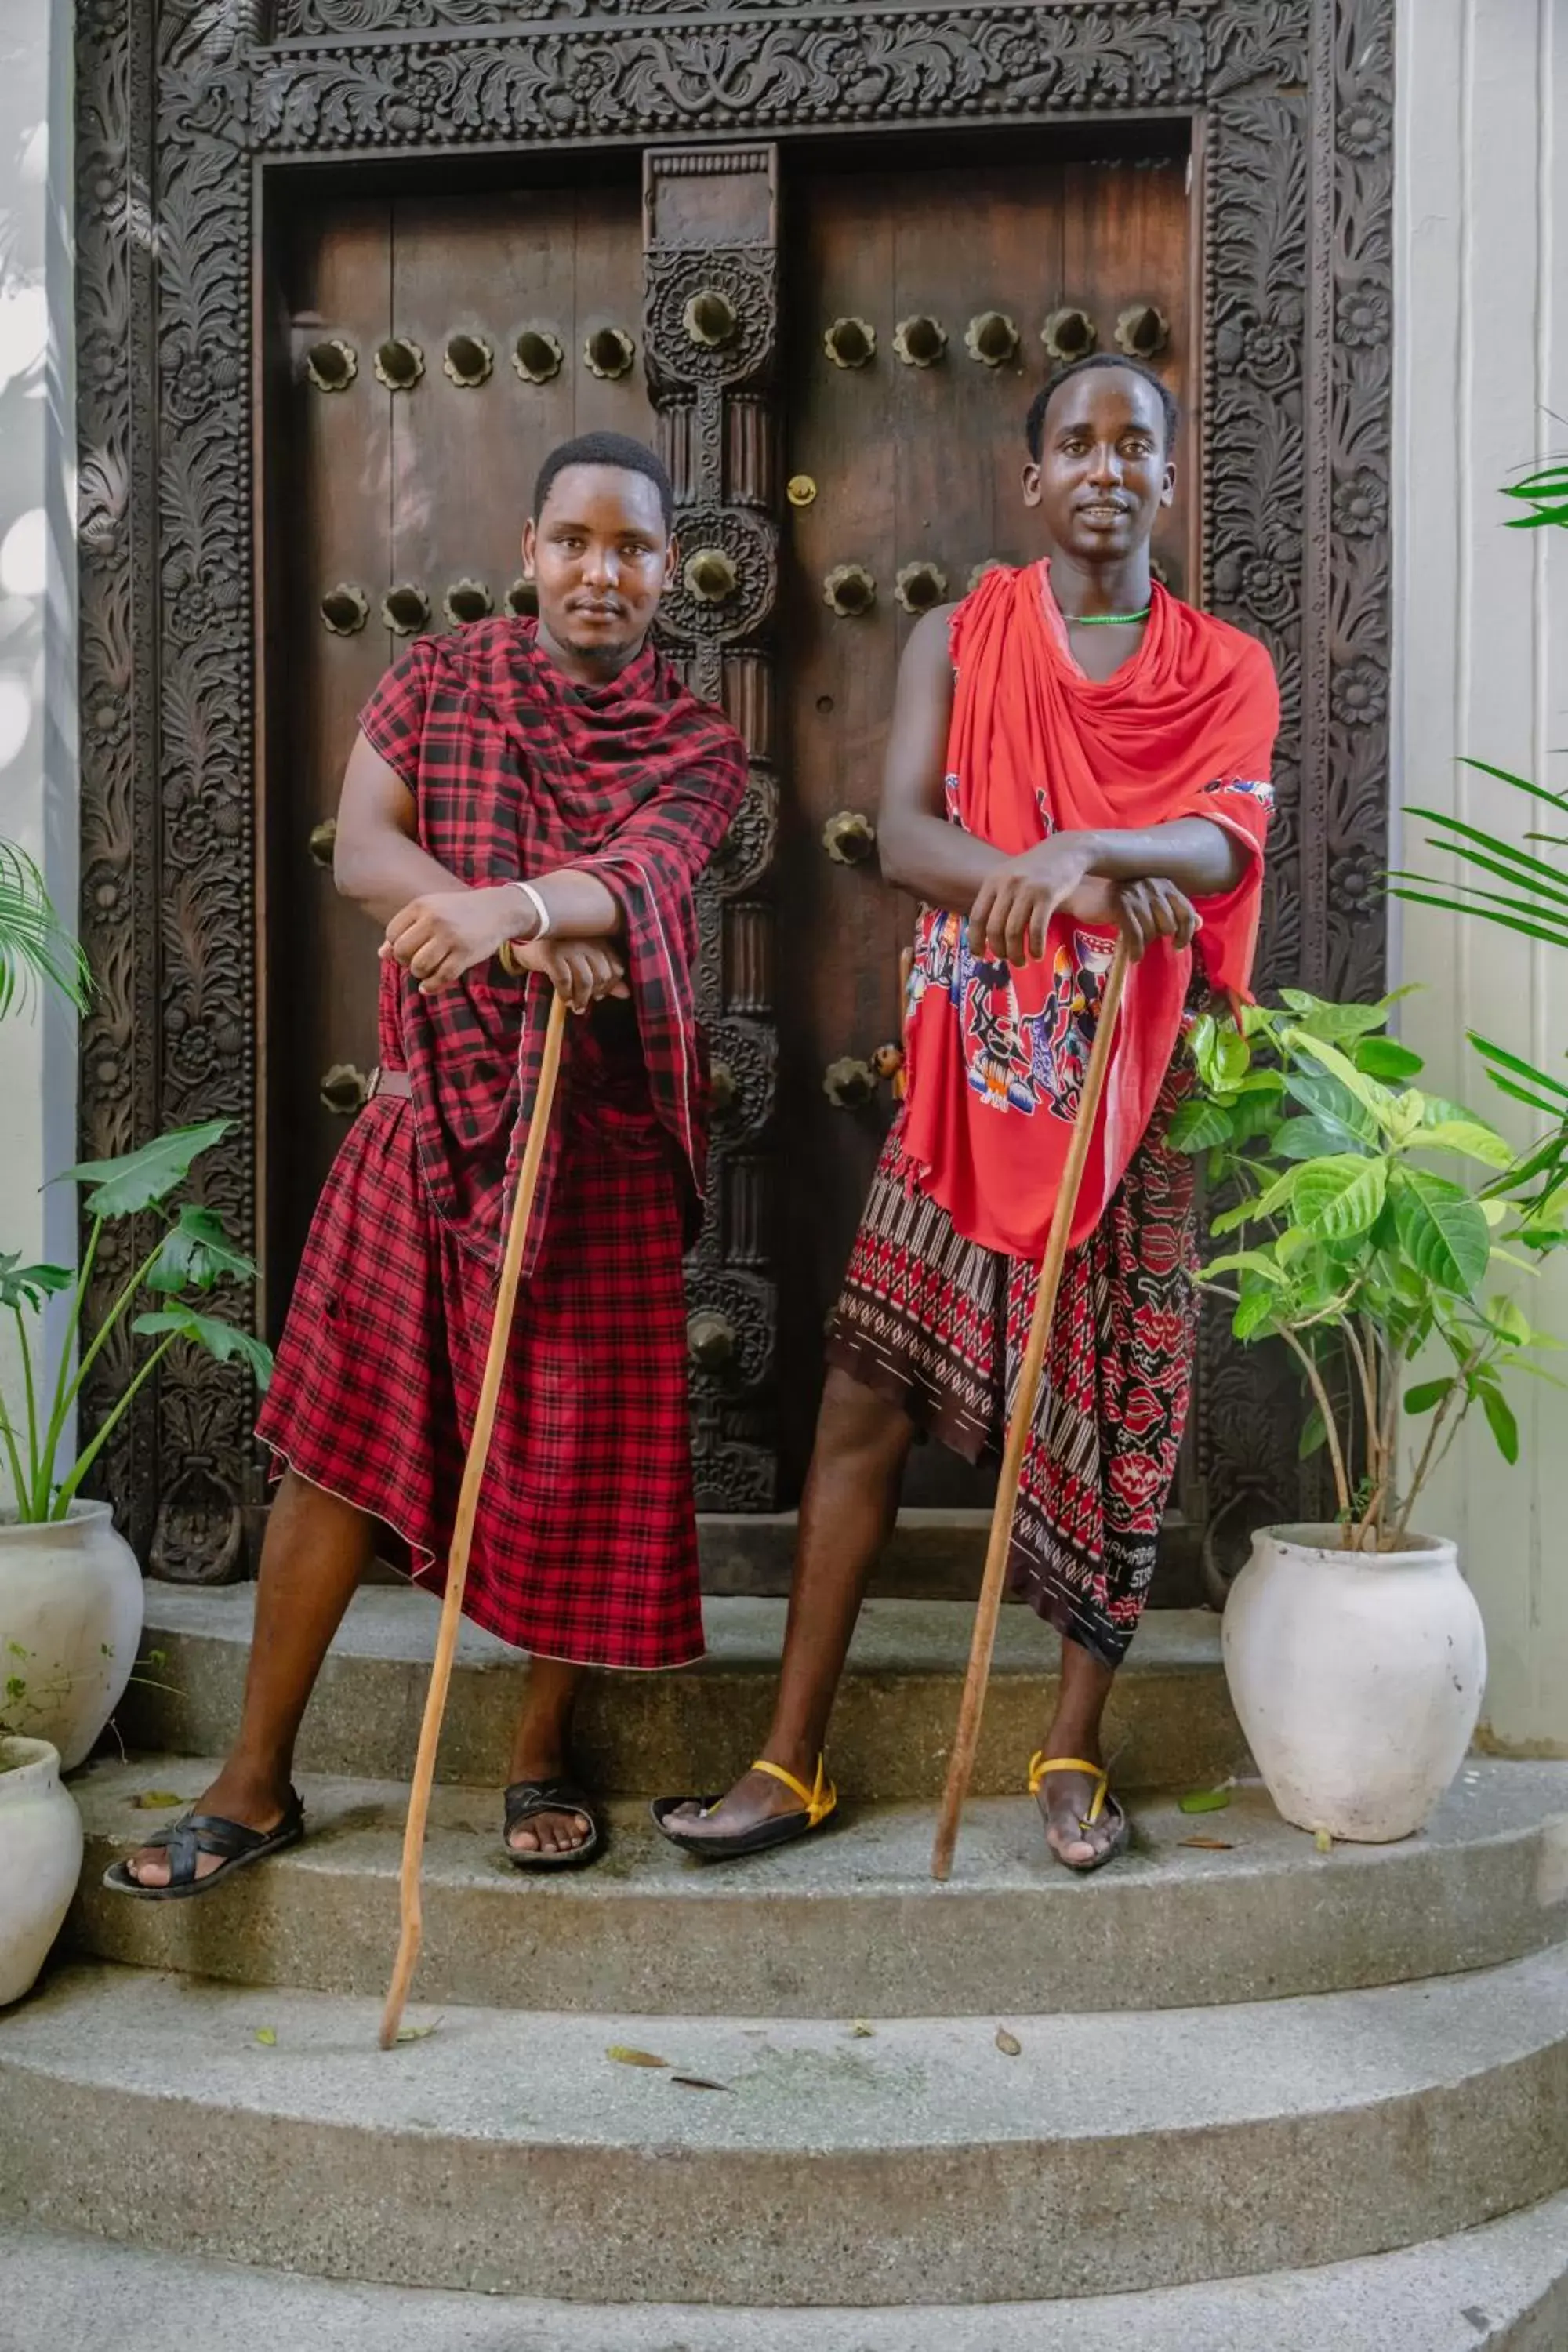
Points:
[(192, 1254), (33, 945), (1533, 902), (1352, 1246)]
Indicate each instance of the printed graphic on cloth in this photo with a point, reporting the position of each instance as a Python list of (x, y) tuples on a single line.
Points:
[(1014, 1060)]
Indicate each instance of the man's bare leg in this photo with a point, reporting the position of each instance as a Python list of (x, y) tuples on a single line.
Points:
[(1064, 1797), (846, 1515), (316, 1549), (540, 1750)]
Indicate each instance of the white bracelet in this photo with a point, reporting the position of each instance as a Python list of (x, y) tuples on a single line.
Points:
[(537, 903)]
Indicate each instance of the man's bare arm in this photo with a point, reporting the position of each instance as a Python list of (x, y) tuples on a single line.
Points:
[(436, 925)]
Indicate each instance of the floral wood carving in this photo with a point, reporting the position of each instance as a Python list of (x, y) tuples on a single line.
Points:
[(177, 99)]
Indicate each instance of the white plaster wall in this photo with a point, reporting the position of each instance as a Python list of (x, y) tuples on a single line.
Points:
[(1481, 667), (37, 658)]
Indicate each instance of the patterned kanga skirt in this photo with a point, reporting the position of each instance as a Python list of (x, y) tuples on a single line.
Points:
[(939, 1325)]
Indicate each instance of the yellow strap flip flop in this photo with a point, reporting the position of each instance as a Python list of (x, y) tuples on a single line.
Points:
[(1041, 1765), (819, 1802)]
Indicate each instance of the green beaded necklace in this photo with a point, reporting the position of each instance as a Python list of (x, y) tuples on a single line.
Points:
[(1106, 620)]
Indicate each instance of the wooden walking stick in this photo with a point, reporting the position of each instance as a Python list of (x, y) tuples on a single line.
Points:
[(962, 1763), (412, 1923)]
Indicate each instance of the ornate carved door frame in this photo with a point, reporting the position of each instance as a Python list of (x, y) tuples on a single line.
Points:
[(185, 106)]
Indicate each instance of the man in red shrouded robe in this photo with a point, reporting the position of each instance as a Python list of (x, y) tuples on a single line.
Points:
[(528, 804), (1073, 752)]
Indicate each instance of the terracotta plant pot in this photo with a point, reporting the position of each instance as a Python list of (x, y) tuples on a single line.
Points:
[(1357, 1677), (40, 1860), (70, 1619)]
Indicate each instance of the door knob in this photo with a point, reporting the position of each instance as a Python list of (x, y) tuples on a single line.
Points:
[(919, 586), (850, 343), (405, 609), (537, 355), (848, 1082), (851, 590), (709, 1339), (468, 360), (323, 837), (609, 352), (344, 1089), (992, 338), (467, 600), (722, 1088), (849, 837), (920, 341), (399, 364), (710, 575), (1069, 334), (1143, 332), (345, 609), (331, 366), (709, 318), (523, 598)]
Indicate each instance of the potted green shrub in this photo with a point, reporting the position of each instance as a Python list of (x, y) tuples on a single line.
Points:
[(1354, 1650), (70, 1589)]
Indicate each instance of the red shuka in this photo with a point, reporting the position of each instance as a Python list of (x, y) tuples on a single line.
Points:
[(996, 1054), (585, 1544)]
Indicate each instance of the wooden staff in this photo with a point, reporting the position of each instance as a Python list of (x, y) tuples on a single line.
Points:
[(961, 1764), (412, 1923)]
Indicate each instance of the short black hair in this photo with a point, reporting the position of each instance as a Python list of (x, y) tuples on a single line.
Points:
[(617, 449), (1035, 429)]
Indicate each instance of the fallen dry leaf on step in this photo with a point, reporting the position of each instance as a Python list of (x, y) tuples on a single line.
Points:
[(1211, 1845), (697, 2083), (1008, 2043), (861, 2031), (1323, 1840), (266, 2036), (414, 2033), (625, 2057), (1206, 1801), (156, 1801)]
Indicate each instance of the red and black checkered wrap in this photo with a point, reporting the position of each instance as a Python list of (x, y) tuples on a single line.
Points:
[(585, 1542), (516, 773), (939, 1325)]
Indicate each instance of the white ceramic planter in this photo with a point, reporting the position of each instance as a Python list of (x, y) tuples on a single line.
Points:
[(70, 1619), (1357, 1677), (40, 1860)]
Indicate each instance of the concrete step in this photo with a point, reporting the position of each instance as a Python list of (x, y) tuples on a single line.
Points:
[(1500, 2288), (849, 1923), (510, 2153), (1168, 1724)]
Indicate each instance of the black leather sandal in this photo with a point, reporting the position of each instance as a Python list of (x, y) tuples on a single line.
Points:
[(526, 1799), (200, 1833)]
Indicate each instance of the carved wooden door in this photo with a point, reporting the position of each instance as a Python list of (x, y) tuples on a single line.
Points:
[(846, 444)]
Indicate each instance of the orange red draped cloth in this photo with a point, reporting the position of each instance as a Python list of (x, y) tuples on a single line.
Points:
[(996, 1054)]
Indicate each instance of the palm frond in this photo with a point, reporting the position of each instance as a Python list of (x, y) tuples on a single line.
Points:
[(34, 944)]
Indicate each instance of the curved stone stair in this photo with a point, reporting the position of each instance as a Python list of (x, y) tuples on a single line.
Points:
[(1247, 2076)]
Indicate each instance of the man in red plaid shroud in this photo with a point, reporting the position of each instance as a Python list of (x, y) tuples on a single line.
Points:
[(523, 799)]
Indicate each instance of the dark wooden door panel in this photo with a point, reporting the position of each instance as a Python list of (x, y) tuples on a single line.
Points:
[(909, 466), (374, 489), (330, 504)]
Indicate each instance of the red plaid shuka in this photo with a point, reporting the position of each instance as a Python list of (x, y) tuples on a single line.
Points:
[(586, 1545)]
